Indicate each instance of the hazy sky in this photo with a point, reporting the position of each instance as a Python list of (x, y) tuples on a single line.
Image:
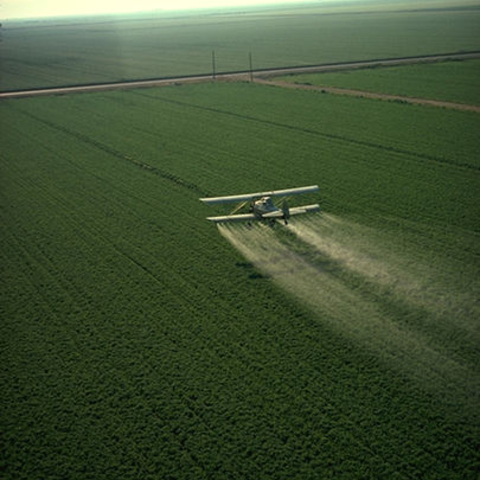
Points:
[(42, 8)]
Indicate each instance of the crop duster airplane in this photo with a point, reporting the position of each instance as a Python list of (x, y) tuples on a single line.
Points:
[(261, 205)]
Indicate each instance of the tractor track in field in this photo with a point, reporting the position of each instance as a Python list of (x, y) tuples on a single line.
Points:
[(117, 154), (254, 75)]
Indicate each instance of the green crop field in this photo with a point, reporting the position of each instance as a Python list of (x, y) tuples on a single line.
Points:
[(141, 341), (457, 81), (41, 53)]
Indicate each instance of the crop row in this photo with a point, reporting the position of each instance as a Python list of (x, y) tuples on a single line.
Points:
[(138, 343)]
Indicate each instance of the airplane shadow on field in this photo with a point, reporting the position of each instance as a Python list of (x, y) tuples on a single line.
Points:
[(249, 267)]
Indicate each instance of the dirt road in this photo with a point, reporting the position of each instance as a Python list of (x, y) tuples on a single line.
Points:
[(256, 74), (365, 94)]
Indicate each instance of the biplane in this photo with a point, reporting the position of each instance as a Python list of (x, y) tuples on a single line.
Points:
[(262, 207)]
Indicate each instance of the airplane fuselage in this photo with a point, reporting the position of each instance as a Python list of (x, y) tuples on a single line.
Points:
[(262, 206)]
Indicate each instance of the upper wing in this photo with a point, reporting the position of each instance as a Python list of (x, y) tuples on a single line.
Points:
[(244, 217), (252, 196)]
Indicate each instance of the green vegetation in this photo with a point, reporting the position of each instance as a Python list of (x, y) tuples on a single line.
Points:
[(78, 51), (457, 81), (138, 343)]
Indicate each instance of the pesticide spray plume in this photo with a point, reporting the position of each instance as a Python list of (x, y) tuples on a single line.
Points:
[(374, 256), (319, 262)]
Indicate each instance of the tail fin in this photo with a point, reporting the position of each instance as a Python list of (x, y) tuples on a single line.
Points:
[(286, 211)]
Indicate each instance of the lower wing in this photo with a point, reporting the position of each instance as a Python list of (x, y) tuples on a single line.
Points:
[(247, 217), (305, 209), (244, 217)]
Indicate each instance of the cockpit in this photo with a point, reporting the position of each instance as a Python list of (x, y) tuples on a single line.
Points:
[(265, 204)]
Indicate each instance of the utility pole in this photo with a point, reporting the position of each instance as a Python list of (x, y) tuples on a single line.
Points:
[(251, 66), (213, 65)]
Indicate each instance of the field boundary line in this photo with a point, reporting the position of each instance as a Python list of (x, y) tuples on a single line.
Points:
[(237, 75), (367, 94)]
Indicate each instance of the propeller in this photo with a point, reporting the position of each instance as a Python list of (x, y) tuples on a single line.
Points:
[(286, 211)]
